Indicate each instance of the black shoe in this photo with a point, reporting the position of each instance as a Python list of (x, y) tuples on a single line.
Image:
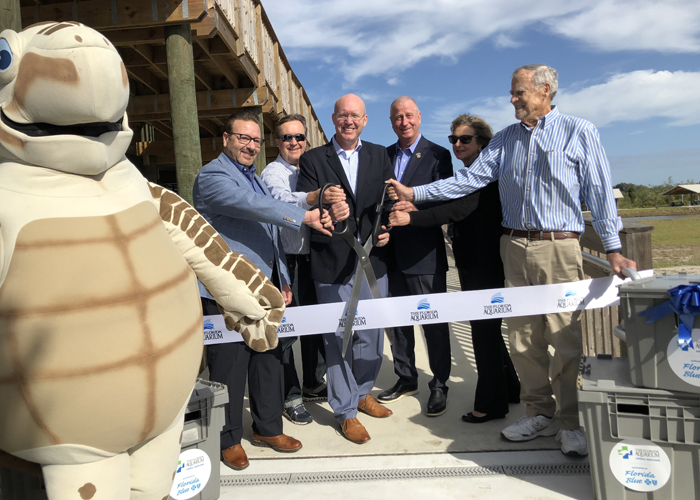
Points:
[(397, 392), (318, 394), (472, 419), (298, 415), (437, 403)]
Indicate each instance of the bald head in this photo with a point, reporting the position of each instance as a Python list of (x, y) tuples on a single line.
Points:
[(349, 118), (349, 100), (405, 120)]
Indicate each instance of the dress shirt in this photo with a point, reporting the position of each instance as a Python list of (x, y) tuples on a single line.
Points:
[(349, 160), (543, 175), (403, 156), (281, 178)]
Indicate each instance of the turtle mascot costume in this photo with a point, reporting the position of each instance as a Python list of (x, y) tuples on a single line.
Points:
[(100, 317)]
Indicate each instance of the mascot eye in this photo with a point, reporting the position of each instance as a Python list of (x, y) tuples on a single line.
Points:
[(5, 55)]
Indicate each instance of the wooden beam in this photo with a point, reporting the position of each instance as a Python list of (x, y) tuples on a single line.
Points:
[(217, 102), (118, 14), (138, 36), (210, 127), (259, 42), (162, 128), (201, 74), (162, 151), (183, 105), (147, 52), (220, 61), (147, 78)]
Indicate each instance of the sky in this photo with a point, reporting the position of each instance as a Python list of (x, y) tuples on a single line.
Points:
[(632, 67)]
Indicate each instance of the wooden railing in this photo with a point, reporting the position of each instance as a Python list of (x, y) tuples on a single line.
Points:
[(598, 324)]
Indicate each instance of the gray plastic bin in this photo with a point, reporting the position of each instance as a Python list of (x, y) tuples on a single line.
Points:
[(634, 432), (204, 419), (655, 358)]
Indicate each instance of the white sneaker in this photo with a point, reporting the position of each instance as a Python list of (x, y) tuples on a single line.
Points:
[(573, 443), (528, 428)]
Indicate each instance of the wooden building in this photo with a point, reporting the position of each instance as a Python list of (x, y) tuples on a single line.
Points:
[(191, 63)]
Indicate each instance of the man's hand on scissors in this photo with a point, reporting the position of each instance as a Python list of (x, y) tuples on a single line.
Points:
[(383, 238), (339, 211), (332, 195), (398, 191), (312, 219)]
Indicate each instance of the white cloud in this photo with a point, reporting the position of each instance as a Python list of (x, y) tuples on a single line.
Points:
[(625, 97), (383, 37)]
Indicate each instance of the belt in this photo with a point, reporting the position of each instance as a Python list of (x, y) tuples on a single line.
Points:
[(540, 235)]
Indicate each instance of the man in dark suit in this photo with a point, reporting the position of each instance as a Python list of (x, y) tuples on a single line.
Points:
[(360, 168), (233, 199), (419, 263)]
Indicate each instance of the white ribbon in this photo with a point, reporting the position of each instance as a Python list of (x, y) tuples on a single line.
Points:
[(438, 308)]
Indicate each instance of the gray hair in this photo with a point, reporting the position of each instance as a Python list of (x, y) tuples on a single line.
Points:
[(541, 74)]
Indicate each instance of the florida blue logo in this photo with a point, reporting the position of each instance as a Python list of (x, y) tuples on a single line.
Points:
[(571, 300), (208, 324), (498, 305), (423, 312), (626, 452)]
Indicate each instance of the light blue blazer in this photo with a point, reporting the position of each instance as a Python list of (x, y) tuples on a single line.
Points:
[(247, 220)]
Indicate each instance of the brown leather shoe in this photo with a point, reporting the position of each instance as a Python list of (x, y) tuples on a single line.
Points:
[(235, 457), (354, 431), (370, 406), (283, 443)]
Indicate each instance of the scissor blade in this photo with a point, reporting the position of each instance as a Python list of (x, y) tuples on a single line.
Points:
[(352, 307)]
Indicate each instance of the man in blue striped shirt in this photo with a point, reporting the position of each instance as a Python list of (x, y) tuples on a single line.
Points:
[(545, 165)]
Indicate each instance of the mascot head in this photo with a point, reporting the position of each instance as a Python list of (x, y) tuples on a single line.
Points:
[(63, 97)]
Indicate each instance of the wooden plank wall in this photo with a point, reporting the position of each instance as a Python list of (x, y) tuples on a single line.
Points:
[(598, 324)]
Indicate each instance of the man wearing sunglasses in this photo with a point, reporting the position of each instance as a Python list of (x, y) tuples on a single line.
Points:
[(280, 177), (545, 165), (237, 203), (419, 262)]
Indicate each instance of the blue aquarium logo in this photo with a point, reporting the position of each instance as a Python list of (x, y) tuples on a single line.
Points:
[(423, 304), (571, 293), (497, 298), (208, 324)]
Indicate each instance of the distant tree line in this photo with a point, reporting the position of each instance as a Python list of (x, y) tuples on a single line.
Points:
[(639, 196)]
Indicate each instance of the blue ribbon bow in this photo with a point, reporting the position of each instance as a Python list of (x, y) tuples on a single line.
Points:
[(685, 302)]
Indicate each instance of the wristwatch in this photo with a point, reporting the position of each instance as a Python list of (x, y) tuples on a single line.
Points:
[(614, 250)]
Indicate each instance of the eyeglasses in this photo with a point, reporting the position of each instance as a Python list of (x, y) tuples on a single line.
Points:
[(245, 139), (464, 139), (355, 118), (289, 137)]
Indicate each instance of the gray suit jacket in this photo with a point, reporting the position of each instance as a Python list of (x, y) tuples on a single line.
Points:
[(245, 219)]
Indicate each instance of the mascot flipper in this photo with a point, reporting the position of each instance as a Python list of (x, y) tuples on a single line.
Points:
[(100, 317)]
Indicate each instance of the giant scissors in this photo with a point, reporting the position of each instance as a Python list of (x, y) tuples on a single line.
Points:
[(364, 267)]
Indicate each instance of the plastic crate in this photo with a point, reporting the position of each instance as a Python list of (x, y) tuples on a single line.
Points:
[(656, 360), (642, 443), (197, 476)]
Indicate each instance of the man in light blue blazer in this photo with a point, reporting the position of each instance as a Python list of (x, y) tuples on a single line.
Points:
[(233, 199)]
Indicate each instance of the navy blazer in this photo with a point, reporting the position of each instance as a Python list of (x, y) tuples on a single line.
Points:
[(246, 220), (332, 260), (421, 250)]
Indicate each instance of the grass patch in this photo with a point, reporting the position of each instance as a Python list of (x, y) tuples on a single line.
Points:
[(658, 212), (675, 242)]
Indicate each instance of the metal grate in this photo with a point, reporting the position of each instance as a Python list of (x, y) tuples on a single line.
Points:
[(534, 470), (359, 475)]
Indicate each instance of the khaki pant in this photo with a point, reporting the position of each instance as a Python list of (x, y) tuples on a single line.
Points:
[(534, 262)]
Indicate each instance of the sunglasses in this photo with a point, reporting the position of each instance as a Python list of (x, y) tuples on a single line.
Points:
[(289, 137), (464, 139)]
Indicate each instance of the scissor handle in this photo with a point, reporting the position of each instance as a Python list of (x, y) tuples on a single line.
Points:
[(377, 229), (343, 225)]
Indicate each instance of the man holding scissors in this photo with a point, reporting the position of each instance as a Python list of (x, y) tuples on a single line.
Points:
[(360, 168)]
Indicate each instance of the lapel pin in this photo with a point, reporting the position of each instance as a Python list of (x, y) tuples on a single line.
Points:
[(417, 155)]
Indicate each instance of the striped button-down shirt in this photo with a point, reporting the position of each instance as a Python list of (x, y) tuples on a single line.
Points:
[(281, 179), (544, 173)]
